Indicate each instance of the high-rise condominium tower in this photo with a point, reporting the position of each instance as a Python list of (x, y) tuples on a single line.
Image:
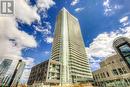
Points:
[(68, 48), (69, 62)]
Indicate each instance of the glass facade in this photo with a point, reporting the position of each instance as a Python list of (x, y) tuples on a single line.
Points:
[(4, 66), (125, 51), (19, 71)]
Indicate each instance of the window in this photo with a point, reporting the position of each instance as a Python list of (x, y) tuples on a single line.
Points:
[(120, 70), (112, 61), (107, 74), (53, 65), (53, 74), (125, 51), (121, 60), (114, 71), (101, 75), (98, 76), (124, 70), (94, 77), (104, 75)]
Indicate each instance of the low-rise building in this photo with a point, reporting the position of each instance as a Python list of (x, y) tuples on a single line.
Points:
[(122, 48), (113, 72), (45, 73)]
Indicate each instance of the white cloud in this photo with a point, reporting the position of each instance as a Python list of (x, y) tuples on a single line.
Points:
[(48, 40), (45, 4), (25, 76), (124, 19), (46, 52), (110, 8), (100, 43), (29, 64), (74, 2), (45, 30), (94, 63), (13, 40), (79, 9), (25, 12), (101, 47)]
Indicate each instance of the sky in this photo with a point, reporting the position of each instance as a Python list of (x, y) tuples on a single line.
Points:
[(28, 34)]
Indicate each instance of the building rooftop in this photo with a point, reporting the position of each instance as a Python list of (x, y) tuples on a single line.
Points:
[(64, 9)]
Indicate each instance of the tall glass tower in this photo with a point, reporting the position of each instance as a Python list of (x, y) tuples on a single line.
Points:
[(68, 48), (17, 74), (4, 66)]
